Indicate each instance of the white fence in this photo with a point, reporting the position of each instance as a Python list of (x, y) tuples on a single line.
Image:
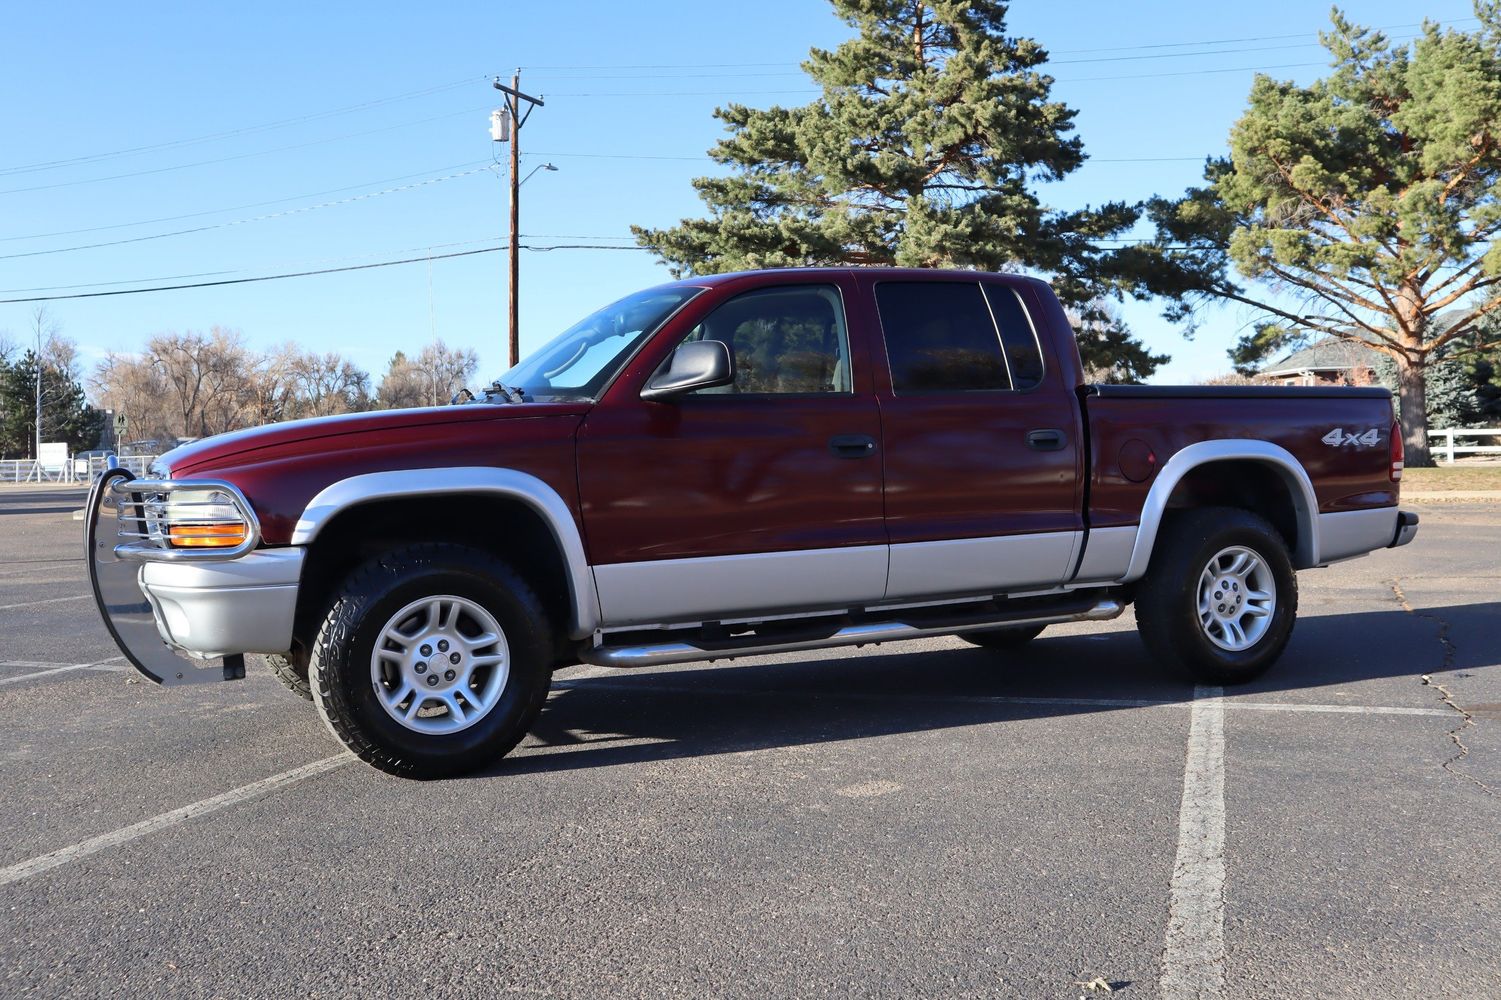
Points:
[(74, 470), (1447, 443)]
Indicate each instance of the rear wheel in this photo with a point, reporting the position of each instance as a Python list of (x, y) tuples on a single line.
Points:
[(433, 661), (1219, 598), (1014, 637)]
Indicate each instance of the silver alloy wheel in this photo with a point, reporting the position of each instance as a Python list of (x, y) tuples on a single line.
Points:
[(1237, 596), (440, 664)]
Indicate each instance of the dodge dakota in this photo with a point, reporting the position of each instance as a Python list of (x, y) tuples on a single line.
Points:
[(733, 465)]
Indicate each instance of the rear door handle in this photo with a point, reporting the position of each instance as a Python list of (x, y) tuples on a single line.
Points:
[(852, 445), (1047, 439)]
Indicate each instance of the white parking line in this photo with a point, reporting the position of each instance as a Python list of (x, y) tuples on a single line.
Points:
[(57, 668), (1193, 961), (49, 600), (998, 699), (94, 845)]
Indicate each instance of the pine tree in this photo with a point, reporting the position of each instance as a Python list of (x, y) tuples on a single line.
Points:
[(1372, 197), (926, 149)]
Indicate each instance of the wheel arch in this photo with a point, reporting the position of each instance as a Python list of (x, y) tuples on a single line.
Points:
[(509, 498), (1296, 506)]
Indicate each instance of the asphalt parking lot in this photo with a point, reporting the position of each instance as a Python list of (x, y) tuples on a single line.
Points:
[(918, 820)]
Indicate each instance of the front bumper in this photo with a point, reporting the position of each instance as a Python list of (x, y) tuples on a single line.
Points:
[(187, 621), (213, 609)]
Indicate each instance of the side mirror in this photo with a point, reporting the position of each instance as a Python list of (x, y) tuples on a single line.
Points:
[(698, 364)]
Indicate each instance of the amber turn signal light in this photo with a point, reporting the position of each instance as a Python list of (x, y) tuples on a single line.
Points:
[(206, 536)]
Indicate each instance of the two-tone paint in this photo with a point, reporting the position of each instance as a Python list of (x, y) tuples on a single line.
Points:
[(725, 507)]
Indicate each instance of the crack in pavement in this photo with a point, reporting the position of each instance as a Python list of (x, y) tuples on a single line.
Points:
[(1445, 695)]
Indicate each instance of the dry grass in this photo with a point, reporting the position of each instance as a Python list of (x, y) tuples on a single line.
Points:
[(1452, 477)]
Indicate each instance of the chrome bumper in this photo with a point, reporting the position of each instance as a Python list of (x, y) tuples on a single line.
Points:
[(187, 622)]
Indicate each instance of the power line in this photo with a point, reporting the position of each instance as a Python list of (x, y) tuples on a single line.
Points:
[(426, 258), (299, 264), (239, 208), (1110, 48), (301, 274), (1049, 63), (243, 156), (704, 157), (258, 218), (246, 281), (25, 168)]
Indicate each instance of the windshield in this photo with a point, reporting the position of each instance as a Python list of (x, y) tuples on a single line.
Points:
[(577, 363)]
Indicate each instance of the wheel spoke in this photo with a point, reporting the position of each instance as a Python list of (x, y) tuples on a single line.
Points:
[(417, 699), (489, 659), (393, 700), (453, 706), (1259, 595), (1234, 633), (394, 637), (1257, 610), (481, 641), (1238, 564)]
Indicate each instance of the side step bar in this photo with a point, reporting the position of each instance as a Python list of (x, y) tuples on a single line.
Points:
[(699, 645)]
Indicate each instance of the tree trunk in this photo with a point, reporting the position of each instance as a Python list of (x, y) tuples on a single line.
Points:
[(1412, 404)]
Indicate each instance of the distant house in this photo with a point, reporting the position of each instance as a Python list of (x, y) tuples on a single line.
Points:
[(1330, 361)]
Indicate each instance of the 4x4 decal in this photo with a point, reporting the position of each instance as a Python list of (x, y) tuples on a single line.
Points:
[(1339, 438)]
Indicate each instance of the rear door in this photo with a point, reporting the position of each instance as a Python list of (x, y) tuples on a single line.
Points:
[(981, 441), (758, 497)]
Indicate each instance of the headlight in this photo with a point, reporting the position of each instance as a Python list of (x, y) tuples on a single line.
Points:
[(195, 519)]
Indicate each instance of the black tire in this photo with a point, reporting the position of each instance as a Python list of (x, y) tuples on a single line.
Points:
[(1167, 599), (291, 670), (1014, 637), (340, 671)]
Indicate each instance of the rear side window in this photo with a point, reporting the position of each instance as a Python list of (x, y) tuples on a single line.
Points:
[(1020, 340), (940, 337)]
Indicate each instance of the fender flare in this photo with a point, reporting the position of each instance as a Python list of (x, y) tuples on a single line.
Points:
[(1281, 461), (509, 483)]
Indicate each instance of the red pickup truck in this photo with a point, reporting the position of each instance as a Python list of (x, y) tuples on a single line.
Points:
[(733, 465)]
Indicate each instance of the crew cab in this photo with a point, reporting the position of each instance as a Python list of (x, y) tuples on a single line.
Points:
[(733, 465)]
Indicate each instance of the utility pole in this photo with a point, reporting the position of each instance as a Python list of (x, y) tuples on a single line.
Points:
[(514, 97)]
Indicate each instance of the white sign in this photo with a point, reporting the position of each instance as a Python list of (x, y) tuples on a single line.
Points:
[(53, 456)]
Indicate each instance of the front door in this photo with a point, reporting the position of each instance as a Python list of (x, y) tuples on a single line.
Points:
[(755, 498), (980, 441)]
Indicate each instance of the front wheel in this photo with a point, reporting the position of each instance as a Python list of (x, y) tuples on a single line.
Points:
[(1219, 598), (433, 661)]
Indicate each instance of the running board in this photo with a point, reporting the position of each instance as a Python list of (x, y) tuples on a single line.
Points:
[(718, 644)]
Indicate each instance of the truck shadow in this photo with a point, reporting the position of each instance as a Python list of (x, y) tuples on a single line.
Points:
[(844, 694)]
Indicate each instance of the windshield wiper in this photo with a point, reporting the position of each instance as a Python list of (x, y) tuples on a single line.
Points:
[(499, 388)]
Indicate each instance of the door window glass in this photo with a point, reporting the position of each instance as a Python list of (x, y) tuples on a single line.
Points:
[(940, 337), (1017, 335), (784, 340)]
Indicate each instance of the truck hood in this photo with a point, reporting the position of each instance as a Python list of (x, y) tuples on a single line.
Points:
[(219, 449)]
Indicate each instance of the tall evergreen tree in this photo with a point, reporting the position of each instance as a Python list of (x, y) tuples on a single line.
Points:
[(926, 149), (66, 416), (1371, 198)]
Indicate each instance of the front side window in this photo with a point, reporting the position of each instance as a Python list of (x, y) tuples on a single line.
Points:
[(784, 340), (940, 337), (577, 363)]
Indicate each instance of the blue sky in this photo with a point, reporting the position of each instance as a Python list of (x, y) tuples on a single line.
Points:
[(630, 90)]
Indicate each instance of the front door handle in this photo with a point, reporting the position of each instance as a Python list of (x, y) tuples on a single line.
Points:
[(1047, 439), (852, 445)]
